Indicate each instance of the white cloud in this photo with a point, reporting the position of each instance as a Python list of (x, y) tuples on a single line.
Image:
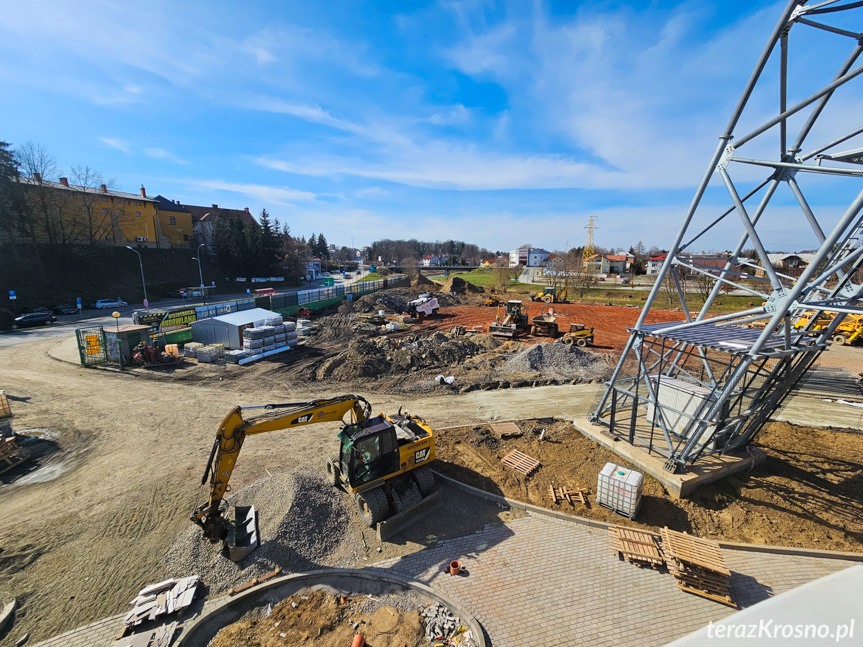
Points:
[(162, 154), (118, 144), (456, 115), (262, 193), (371, 192)]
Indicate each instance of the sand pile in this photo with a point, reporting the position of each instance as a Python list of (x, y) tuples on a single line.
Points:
[(417, 281), (457, 285)]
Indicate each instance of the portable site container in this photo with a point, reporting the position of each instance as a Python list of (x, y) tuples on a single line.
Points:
[(228, 329)]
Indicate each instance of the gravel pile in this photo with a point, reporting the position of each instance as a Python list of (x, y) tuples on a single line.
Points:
[(440, 622), (558, 361), (301, 519), (405, 601)]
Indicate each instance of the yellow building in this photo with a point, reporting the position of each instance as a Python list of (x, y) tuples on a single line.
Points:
[(175, 222), (64, 213)]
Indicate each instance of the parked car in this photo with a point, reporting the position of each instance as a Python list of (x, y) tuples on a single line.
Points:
[(64, 309), (177, 294), (39, 318), (101, 304)]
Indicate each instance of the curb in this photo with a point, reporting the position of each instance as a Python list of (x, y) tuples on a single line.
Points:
[(728, 545), (6, 615), (205, 625)]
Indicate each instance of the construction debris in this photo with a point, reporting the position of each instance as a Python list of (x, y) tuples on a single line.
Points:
[(698, 566), (520, 462), (254, 582), (10, 454), (442, 627), (637, 547), (163, 598), (158, 637), (566, 494)]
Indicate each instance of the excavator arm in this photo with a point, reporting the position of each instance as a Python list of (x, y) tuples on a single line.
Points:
[(233, 431)]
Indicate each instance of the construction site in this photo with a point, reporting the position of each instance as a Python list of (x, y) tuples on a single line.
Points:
[(426, 462)]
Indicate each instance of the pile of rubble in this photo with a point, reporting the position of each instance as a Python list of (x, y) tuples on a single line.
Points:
[(442, 626), (163, 598), (457, 285)]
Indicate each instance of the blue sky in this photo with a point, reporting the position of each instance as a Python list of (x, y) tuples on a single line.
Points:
[(492, 122)]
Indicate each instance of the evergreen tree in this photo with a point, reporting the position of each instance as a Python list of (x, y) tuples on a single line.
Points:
[(323, 249), (10, 202), (269, 245)]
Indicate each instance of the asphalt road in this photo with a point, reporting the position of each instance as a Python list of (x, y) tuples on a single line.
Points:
[(90, 317)]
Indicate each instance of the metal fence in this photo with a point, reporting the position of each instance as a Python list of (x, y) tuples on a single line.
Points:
[(92, 347)]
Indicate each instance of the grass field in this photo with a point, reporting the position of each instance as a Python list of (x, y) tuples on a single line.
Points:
[(371, 276)]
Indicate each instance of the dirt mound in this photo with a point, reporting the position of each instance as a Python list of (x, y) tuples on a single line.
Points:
[(302, 521), (321, 619), (394, 356), (558, 361), (457, 285), (418, 281)]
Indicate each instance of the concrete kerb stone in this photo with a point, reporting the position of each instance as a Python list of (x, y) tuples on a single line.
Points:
[(200, 631), (728, 545), (6, 613)]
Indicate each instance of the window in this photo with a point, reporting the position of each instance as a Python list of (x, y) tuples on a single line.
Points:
[(172, 220), (136, 203), (138, 214), (104, 210), (122, 212), (120, 201), (185, 238)]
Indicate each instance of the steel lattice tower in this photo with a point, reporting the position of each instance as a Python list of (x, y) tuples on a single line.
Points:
[(706, 384)]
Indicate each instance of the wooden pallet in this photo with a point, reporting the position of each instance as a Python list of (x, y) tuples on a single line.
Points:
[(638, 547), (698, 566), (566, 494), (10, 454), (520, 462)]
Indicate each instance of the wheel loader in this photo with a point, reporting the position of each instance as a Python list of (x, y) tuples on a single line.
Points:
[(550, 294), (383, 462)]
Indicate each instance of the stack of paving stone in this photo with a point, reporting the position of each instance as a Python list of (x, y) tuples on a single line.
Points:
[(304, 327), (290, 333), (209, 354), (253, 340), (191, 349), (269, 338), (161, 599), (234, 356), (440, 623)]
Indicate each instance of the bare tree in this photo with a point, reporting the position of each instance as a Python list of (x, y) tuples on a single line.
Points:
[(102, 222)]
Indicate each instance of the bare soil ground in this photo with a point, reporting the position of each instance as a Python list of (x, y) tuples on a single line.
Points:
[(319, 618), (807, 494)]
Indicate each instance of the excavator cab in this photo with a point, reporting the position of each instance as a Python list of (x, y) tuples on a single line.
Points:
[(369, 451)]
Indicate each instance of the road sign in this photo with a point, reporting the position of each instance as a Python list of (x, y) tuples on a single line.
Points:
[(12, 295), (146, 303), (78, 302)]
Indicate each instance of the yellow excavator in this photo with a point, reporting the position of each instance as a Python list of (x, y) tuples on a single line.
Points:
[(382, 460)]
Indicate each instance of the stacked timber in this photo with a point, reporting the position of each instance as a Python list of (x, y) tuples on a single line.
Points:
[(637, 547), (698, 566)]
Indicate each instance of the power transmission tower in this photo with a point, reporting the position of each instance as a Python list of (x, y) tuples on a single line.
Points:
[(706, 384), (587, 265)]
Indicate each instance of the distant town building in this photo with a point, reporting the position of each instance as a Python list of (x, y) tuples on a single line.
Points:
[(313, 268), (616, 263), (489, 262), (654, 264), (175, 222), (204, 220), (528, 257), (428, 261)]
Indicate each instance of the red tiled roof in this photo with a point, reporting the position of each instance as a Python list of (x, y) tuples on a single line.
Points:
[(616, 257), (658, 258), (211, 213)]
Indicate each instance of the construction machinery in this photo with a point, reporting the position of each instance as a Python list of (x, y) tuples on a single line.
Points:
[(302, 311), (425, 304), (578, 334), (510, 322), (382, 461), (550, 294), (492, 302), (847, 332), (545, 323)]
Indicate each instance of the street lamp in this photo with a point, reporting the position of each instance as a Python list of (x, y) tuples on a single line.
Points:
[(143, 282), (197, 257)]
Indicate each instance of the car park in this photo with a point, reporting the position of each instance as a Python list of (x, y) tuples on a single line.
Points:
[(64, 309), (38, 318), (101, 304)]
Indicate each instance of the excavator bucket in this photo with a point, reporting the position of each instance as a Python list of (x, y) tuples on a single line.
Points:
[(243, 535)]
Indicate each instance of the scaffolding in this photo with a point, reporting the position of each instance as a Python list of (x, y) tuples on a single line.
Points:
[(706, 384)]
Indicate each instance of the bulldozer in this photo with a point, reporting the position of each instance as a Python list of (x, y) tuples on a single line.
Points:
[(578, 334), (383, 462), (511, 322), (550, 294), (545, 323)]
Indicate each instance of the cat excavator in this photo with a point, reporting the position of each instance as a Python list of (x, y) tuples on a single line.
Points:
[(382, 460)]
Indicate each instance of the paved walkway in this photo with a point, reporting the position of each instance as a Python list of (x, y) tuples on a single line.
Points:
[(543, 582)]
